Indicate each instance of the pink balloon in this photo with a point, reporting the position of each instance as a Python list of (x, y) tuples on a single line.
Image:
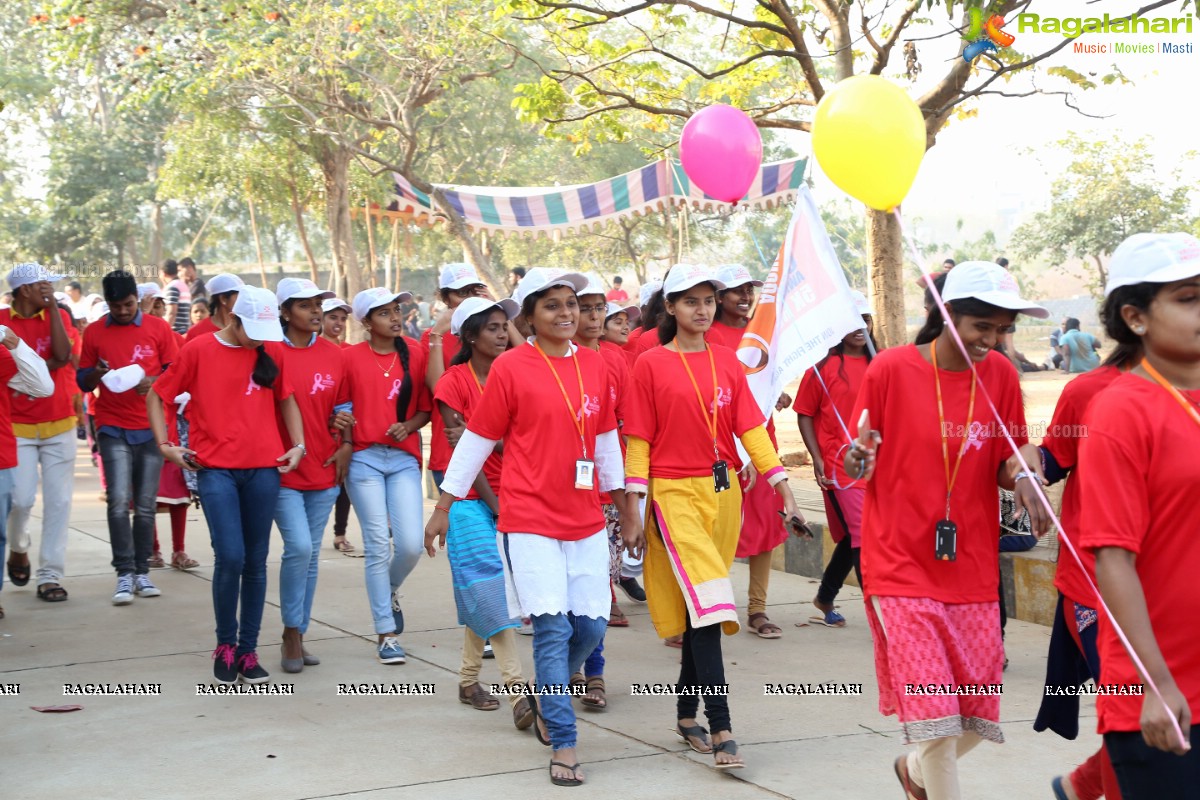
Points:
[(721, 152)]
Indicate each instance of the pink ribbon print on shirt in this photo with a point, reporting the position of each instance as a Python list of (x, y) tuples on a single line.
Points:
[(252, 387), (141, 351), (395, 392), (321, 383)]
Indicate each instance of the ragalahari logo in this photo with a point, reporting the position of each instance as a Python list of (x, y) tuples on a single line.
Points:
[(984, 36)]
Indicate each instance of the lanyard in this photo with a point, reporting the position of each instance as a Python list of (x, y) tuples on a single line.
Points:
[(951, 477), (1179, 398), (576, 416), (479, 385), (711, 419)]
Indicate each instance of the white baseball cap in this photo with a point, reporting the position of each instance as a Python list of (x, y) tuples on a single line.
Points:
[(30, 272), (861, 306), (259, 312), (989, 283), (541, 278), (123, 379), (335, 303), (150, 290), (594, 285), (299, 289), (1153, 258), (684, 276), (97, 312), (458, 275), (223, 282), (477, 305), (735, 275), (648, 290), (370, 299), (633, 312)]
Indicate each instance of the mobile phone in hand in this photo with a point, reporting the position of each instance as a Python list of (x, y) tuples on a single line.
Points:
[(798, 526)]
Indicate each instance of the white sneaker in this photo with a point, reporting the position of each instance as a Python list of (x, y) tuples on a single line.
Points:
[(526, 628), (123, 596), (144, 587)]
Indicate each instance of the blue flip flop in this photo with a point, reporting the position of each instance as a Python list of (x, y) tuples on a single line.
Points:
[(832, 619), (1056, 786)]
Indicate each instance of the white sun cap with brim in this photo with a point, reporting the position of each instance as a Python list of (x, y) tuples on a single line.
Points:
[(477, 305), (648, 290), (632, 312), (24, 274), (989, 283), (150, 290), (223, 282), (334, 303), (368, 300), (259, 312), (861, 306), (735, 275), (458, 275), (684, 276), (594, 285), (1153, 258), (539, 279), (299, 289)]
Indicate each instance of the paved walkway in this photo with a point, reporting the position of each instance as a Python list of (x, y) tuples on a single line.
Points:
[(316, 744)]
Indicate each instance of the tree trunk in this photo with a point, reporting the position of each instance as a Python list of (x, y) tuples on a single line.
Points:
[(276, 245), (886, 269), (262, 270), (302, 232), (134, 256), (335, 169)]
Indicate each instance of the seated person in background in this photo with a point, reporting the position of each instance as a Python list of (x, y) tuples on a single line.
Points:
[(1079, 349)]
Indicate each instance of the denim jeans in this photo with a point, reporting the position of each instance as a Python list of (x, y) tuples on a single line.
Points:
[(6, 490), (301, 517), (56, 457), (239, 505), (560, 644), (385, 487), (132, 472)]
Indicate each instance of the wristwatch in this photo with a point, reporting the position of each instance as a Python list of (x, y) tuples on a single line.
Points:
[(303, 449)]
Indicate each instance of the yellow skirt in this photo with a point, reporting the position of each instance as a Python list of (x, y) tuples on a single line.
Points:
[(691, 536)]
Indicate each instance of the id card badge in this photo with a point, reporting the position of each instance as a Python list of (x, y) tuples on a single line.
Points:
[(946, 540), (585, 474), (720, 476)]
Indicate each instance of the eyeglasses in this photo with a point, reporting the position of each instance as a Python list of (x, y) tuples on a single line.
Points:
[(592, 309)]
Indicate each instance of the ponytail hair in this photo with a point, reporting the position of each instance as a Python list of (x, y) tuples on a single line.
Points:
[(967, 306), (406, 385), (656, 309), (265, 369)]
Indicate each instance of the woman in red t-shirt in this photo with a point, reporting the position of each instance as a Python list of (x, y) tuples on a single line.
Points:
[(549, 401), (307, 494), (334, 314), (824, 404), (1138, 475), (618, 322), (686, 402), (385, 377), (476, 565), (929, 554), (236, 389)]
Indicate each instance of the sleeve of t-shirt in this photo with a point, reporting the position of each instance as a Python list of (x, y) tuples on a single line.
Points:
[(418, 363), (449, 391), (1114, 496), (640, 416), (8, 366), (746, 413), (1065, 449), (808, 396), (608, 410), (343, 387), (172, 298), (90, 353), (498, 406), (178, 378), (282, 386)]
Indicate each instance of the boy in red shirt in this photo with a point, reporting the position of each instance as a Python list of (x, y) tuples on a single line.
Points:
[(123, 355), (45, 432)]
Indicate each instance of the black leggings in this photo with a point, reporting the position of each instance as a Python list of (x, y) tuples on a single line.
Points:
[(1145, 773), (844, 559), (702, 667), (341, 513)]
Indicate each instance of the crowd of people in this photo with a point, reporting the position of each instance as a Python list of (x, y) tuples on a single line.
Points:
[(580, 444)]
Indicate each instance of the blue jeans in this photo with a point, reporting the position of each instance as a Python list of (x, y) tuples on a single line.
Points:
[(560, 644), (438, 476), (301, 517), (239, 505), (132, 472), (6, 490), (385, 488)]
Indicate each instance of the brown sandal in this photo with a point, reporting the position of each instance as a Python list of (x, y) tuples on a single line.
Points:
[(758, 623), (911, 790), (595, 699), (477, 697), (522, 713)]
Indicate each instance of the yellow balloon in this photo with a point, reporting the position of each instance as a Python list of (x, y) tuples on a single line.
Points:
[(869, 137)]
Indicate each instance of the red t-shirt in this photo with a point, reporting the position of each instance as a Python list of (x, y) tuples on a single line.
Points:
[(202, 327), (1062, 442), (232, 418), (152, 345), (725, 335), (35, 332), (616, 296), (459, 391), (843, 377), (439, 448), (318, 377), (1137, 487), (8, 441), (661, 407), (522, 405), (647, 341), (618, 377), (906, 498), (631, 343), (374, 394)]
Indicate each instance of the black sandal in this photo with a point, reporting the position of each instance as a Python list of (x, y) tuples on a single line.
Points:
[(537, 717), (564, 781), (19, 575), (55, 594), (694, 732), (728, 746)]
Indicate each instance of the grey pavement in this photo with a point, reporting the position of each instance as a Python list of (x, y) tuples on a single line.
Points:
[(316, 744)]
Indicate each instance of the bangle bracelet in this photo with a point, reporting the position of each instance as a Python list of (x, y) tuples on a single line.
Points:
[(441, 508), (1023, 474)]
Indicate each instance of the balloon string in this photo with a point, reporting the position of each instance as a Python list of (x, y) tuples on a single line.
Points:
[(1062, 535), (761, 255)]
